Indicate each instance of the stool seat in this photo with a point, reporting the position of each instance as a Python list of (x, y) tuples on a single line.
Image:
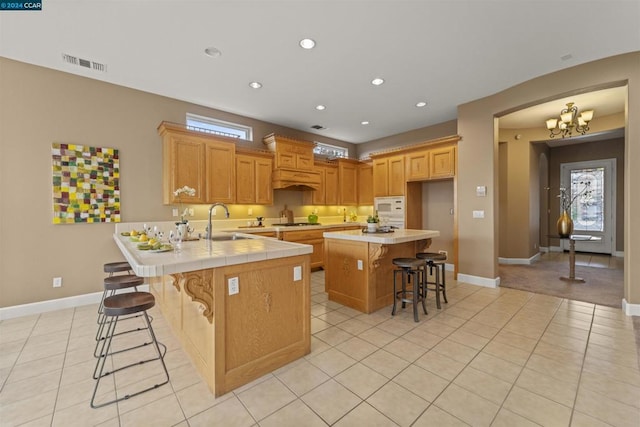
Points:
[(114, 283), (116, 267), (128, 303), (407, 262), (433, 256)]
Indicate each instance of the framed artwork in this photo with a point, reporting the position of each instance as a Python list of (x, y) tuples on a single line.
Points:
[(86, 184)]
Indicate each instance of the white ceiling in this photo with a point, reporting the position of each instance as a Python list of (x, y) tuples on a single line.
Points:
[(444, 52)]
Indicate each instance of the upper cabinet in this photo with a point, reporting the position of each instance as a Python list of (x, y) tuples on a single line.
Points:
[(253, 178), (348, 179), (203, 162), (327, 193), (417, 165), (442, 162), (388, 176), (365, 184)]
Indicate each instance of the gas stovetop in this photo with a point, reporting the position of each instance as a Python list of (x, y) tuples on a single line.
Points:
[(296, 224)]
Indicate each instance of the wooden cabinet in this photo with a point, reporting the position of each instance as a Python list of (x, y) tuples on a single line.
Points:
[(309, 237), (294, 164), (348, 182), (442, 162), (417, 165), (327, 194), (253, 178), (365, 184), (388, 176), (203, 162)]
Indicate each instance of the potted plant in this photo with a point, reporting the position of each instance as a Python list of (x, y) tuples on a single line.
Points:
[(372, 223)]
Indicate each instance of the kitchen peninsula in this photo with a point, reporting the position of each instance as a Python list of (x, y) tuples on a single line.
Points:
[(358, 268), (240, 304)]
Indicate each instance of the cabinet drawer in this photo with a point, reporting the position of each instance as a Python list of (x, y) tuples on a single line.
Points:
[(299, 235)]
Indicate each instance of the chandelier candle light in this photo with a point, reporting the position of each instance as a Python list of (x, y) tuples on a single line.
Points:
[(570, 121)]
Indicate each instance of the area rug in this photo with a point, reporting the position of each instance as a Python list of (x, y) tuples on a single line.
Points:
[(603, 286)]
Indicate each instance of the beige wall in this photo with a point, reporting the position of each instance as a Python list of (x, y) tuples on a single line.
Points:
[(39, 106), (478, 165), (437, 203)]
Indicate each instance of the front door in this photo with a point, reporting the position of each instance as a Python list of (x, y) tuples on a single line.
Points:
[(592, 188)]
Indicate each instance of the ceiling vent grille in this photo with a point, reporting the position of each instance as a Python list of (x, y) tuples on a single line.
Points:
[(318, 127), (85, 63)]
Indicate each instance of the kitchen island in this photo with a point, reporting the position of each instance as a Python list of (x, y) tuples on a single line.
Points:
[(240, 307), (358, 268)]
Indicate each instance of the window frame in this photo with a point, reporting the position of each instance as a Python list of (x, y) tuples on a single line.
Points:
[(205, 120)]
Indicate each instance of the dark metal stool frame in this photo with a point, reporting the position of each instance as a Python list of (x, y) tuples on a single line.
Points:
[(111, 268), (409, 267), (123, 305), (435, 260), (111, 285)]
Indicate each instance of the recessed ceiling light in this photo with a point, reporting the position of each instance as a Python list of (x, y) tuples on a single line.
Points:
[(320, 107), (364, 122), (307, 43), (255, 85), (377, 81), (421, 104), (212, 52)]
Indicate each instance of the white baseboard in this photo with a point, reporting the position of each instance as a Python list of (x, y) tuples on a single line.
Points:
[(54, 304), (448, 267), (619, 254), (630, 309), (525, 261), (480, 281), (544, 249)]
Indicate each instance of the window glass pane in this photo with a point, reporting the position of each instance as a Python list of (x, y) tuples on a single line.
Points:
[(218, 127), (330, 150), (587, 193)]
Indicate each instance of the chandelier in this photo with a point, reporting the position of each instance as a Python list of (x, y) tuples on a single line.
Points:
[(570, 121)]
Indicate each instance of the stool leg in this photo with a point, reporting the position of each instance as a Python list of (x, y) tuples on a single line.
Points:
[(444, 285), (416, 291), (404, 288), (423, 290), (438, 287), (395, 293)]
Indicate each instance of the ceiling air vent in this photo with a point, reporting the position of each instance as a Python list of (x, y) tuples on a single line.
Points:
[(318, 127), (92, 65)]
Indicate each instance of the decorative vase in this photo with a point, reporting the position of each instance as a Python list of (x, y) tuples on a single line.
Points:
[(565, 224)]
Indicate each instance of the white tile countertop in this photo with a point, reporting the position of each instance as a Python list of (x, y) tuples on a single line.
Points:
[(397, 236), (202, 254)]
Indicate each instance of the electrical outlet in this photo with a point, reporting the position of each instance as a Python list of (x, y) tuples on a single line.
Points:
[(174, 212), (57, 282), (315, 211), (297, 273), (250, 212), (234, 286), (190, 211), (213, 212), (360, 266), (478, 214)]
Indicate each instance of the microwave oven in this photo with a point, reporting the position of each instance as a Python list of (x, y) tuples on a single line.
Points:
[(390, 209)]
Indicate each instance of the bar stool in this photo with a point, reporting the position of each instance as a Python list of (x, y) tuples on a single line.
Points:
[(111, 268), (112, 284), (408, 268), (123, 305), (435, 260)]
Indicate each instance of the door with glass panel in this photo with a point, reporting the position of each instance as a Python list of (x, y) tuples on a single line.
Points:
[(591, 186)]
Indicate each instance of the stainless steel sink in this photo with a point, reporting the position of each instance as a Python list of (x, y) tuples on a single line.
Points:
[(224, 238)]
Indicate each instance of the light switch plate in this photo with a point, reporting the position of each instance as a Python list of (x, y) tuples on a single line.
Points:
[(481, 191), (478, 214), (297, 273), (234, 286), (360, 267)]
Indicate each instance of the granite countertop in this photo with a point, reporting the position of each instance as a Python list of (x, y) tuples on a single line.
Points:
[(202, 254), (397, 236)]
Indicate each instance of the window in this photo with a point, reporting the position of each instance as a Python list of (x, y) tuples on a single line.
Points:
[(330, 150), (219, 127)]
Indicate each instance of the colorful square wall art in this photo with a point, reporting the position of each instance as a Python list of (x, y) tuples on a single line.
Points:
[(86, 184)]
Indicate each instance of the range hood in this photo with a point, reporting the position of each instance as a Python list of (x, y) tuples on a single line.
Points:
[(295, 179)]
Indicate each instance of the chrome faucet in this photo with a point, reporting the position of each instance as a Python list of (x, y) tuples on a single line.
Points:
[(209, 227)]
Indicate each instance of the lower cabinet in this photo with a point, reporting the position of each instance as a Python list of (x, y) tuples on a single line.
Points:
[(309, 237), (235, 339)]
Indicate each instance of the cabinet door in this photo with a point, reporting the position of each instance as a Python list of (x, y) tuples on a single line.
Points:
[(348, 179), (396, 176), (184, 165), (304, 162), (442, 162), (417, 166), (317, 257), (220, 167), (331, 186), (380, 178), (245, 179), (263, 178), (365, 184)]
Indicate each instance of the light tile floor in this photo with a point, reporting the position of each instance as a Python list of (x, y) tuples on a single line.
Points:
[(496, 357)]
